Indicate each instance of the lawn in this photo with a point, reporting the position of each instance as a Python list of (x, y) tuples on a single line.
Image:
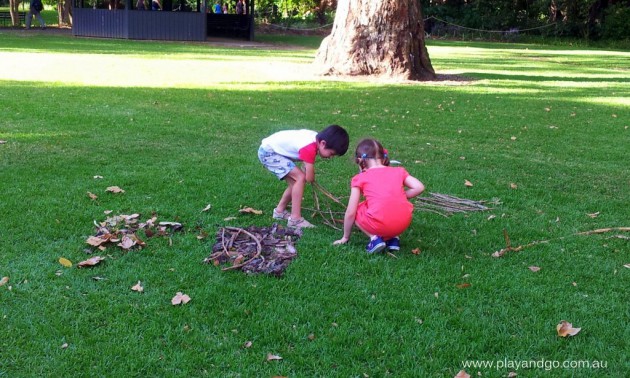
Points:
[(541, 131)]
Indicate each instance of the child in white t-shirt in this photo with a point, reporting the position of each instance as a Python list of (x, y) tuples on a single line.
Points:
[(280, 151)]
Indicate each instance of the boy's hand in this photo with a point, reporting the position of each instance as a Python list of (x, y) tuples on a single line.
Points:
[(343, 240)]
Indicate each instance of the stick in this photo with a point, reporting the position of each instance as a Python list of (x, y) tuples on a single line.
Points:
[(258, 247), (509, 248)]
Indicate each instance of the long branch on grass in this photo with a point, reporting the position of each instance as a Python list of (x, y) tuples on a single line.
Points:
[(258, 247), (509, 248)]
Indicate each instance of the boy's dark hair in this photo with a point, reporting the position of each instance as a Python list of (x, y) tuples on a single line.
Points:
[(370, 149), (336, 138)]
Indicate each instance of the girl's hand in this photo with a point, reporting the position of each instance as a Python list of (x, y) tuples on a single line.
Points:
[(340, 241)]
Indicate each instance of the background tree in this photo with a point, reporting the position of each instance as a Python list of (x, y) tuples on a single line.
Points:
[(14, 8), (376, 37), (64, 12)]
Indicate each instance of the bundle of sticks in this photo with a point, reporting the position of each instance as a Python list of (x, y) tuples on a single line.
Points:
[(331, 208)]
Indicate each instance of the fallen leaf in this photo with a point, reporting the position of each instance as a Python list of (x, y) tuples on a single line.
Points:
[(462, 374), (206, 208), (90, 262), (249, 210), (534, 268), (97, 177), (97, 278), (513, 138), (64, 345), (593, 215), (311, 336), (627, 266), (513, 186), (180, 298), (436, 294), (95, 241), (566, 329), (547, 109), (4, 281), (3, 141), (106, 212), (511, 374), (138, 287), (65, 262), (468, 183), (416, 251), (114, 189), (491, 217), (248, 344), (126, 242), (229, 218), (273, 357), (463, 285), (92, 196)]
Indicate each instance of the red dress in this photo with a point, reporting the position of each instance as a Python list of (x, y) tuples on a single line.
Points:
[(386, 212)]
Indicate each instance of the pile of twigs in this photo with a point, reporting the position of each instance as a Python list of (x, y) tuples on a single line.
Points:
[(254, 249), (446, 205)]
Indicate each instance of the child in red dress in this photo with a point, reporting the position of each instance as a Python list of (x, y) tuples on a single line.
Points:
[(386, 211)]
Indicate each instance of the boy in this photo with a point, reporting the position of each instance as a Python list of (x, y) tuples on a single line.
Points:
[(279, 153)]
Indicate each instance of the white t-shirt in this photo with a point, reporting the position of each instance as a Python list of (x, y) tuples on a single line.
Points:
[(293, 144)]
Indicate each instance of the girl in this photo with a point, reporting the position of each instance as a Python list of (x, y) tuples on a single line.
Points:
[(386, 212)]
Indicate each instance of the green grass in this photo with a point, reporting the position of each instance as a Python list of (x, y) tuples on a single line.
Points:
[(552, 121)]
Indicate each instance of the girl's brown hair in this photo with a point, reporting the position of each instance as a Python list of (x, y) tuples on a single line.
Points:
[(370, 149)]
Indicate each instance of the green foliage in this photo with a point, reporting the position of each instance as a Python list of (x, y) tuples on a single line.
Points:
[(616, 22), (551, 119)]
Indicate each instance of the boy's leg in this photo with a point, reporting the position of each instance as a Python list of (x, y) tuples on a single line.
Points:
[(296, 180), (29, 18), (285, 199)]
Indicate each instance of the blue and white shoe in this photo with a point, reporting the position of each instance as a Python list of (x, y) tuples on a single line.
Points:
[(375, 245), (393, 244)]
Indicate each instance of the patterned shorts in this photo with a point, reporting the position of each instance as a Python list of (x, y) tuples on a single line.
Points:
[(278, 165)]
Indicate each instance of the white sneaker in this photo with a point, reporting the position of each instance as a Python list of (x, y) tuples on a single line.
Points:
[(300, 223), (283, 215)]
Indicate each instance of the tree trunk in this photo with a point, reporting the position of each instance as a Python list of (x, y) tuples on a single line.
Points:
[(376, 37), (14, 10), (64, 12)]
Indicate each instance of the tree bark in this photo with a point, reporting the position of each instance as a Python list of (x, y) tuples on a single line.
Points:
[(377, 38), (14, 10)]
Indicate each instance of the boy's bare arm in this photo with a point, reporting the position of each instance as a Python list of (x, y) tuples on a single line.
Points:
[(309, 169)]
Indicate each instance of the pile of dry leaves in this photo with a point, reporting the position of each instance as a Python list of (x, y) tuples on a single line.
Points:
[(123, 231), (255, 249)]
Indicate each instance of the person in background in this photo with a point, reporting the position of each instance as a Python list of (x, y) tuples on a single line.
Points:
[(217, 8), (36, 6), (140, 5), (386, 212), (156, 5), (225, 8), (240, 7)]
